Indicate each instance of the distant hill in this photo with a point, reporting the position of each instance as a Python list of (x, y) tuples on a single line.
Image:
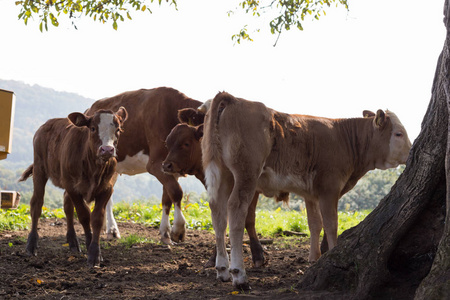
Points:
[(35, 105)]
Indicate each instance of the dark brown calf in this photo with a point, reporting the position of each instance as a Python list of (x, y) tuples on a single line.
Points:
[(78, 154)]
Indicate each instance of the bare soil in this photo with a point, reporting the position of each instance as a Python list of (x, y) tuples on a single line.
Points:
[(144, 271)]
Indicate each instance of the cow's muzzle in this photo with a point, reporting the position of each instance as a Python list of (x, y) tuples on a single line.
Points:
[(167, 167), (106, 152)]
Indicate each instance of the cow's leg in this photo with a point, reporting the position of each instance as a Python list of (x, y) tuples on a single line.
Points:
[(219, 191), (97, 219), (36, 202), (255, 245), (238, 205), (84, 215), (112, 230), (164, 227), (315, 227), (328, 208), (71, 236), (172, 193), (178, 233)]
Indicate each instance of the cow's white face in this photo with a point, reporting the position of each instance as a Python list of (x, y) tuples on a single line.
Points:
[(104, 130), (399, 144), (107, 134)]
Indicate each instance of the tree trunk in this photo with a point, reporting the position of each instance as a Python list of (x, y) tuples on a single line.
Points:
[(437, 284), (392, 251)]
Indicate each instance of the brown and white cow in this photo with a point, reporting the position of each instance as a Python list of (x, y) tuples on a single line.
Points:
[(78, 154), (152, 115), (248, 147), (185, 157)]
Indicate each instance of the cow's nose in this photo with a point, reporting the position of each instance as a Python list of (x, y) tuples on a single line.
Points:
[(106, 151), (167, 166)]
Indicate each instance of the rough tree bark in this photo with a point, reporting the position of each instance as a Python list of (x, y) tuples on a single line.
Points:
[(390, 254), (437, 284)]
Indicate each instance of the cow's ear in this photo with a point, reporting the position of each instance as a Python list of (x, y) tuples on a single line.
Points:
[(380, 119), (205, 107), (368, 114), (79, 119), (186, 115), (199, 132), (191, 116), (122, 113)]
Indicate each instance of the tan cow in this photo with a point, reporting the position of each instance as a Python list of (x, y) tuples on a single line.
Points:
[(78, 154), (248, 147)]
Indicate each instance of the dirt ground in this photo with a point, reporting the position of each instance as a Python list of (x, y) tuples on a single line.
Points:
[(144, 271)]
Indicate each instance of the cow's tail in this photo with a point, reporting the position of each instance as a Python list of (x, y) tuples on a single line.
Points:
[(211, 145), (27, 173)]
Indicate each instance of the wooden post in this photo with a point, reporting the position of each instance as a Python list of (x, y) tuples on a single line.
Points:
[(8, 199), (7, 107)]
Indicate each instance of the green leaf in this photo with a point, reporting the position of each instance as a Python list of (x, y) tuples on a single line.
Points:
[(115, 25)]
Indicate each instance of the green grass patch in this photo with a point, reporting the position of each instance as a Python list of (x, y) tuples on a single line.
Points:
[(270, 223), (133, 240), (198, 216), (349, 219), (15, 219)]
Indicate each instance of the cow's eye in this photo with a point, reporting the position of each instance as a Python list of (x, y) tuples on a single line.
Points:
[(399, 134), (186, 144), (93, 129)]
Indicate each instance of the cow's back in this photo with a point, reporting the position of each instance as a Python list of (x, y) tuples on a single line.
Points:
[(59, 145), (152, 114)]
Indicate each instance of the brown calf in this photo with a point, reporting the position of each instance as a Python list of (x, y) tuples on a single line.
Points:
[(248, 147), (78, 154)]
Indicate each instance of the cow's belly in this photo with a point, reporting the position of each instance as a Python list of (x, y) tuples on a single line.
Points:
[(271, 183), (133, 165)]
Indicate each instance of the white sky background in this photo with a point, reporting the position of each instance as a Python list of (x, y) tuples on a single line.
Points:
[(380, 54)]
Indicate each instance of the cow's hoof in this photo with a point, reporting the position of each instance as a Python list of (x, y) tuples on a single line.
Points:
[(257, 253), (177, 237), (178, 232), (94, 262), (240, 279), (166, 240), (75, 249), (259, 263), (113, 234), (74, 246), (94, 255), (31, 252), (32, 242), (223, 274)]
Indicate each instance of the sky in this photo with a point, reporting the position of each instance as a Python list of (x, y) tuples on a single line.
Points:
[(378, 55)]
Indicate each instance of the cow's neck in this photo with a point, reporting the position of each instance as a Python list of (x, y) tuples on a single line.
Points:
[(358, 135)]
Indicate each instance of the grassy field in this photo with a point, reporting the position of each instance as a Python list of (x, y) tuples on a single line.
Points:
[(198, 216)]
